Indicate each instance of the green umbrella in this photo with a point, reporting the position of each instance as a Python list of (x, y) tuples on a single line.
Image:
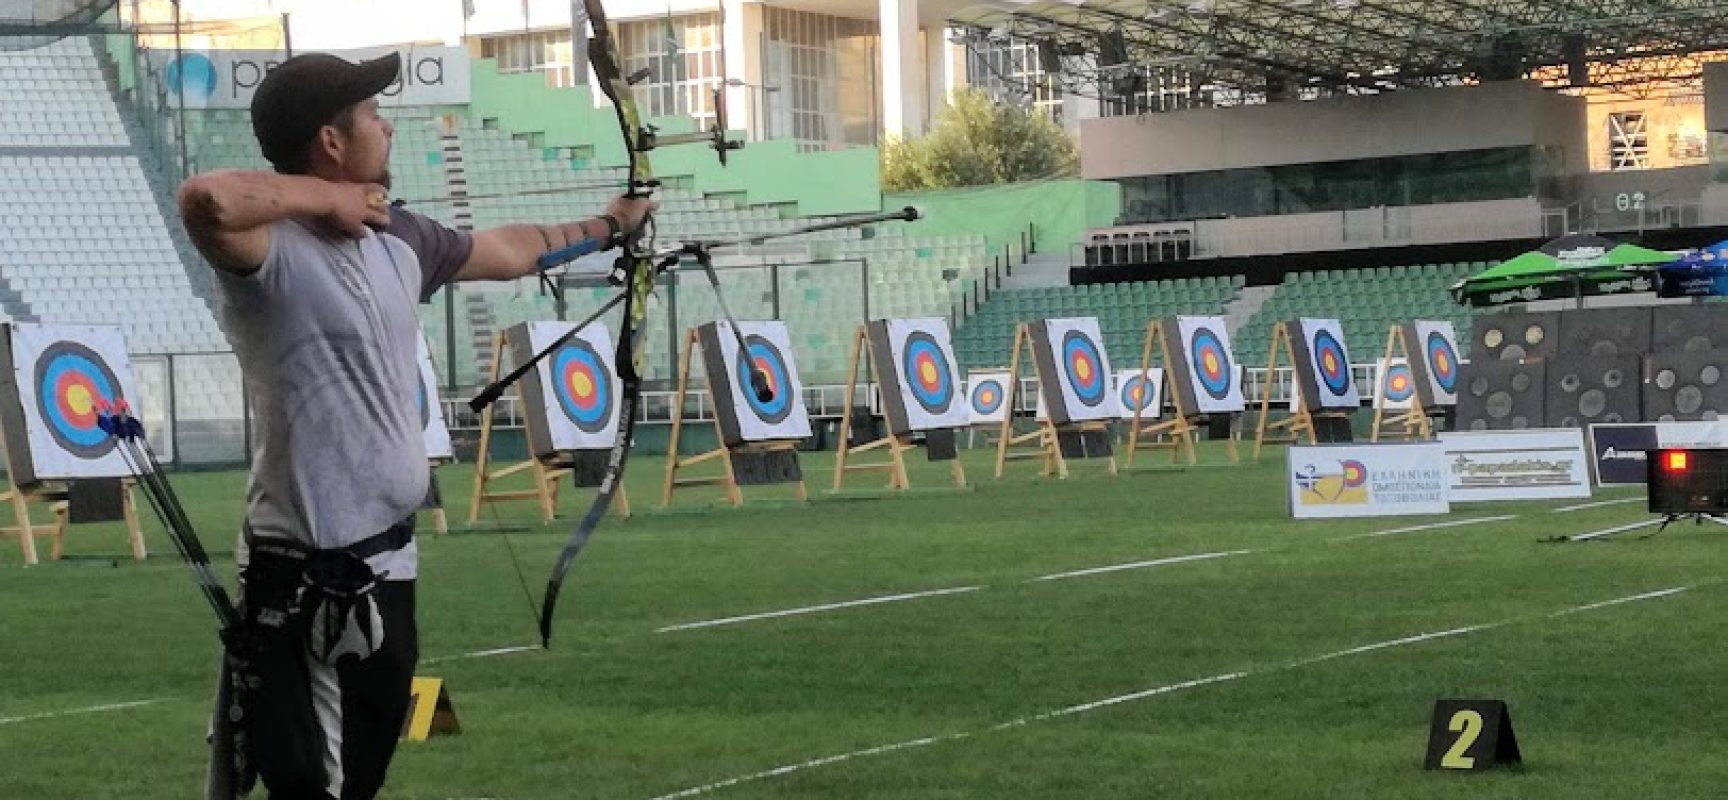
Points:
[(1570, 266)]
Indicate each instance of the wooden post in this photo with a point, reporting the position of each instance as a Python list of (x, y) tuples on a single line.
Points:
[(897, 445), (1300, 420), (1409, 423), (1180, 427), (728, 478), (1044, 436)]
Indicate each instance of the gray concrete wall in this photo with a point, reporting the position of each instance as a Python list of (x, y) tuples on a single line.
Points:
[(1507, 114)]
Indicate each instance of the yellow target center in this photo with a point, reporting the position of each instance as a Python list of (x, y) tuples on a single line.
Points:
[(1083, 368), (1211, 362), (927, 372), (1441, 363), (78, 397), (1331, 363), (581, 385)]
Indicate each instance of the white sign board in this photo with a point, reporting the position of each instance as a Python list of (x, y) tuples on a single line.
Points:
[(1378, 480), (430, 75), (1544, 464)]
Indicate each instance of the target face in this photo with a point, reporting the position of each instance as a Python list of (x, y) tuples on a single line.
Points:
[(767, 350), (922, 390), (579, 401), (433, 433), (764, 358), (1140, 393), (1073, 370), (1207, 379), (1211, 363), (1082, 364), (62, 378), (583, 386), (1329, 383), (1397, 384), (1438, 366), (928, 373), (987, 397), (73, 384)]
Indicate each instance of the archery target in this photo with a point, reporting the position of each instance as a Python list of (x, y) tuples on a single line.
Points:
[(1207, 366), (64, 376), (1074, 371), (433, 431), (1397, 384), (987, 397), (577, 388), (769, 350), (1142, 393), (924, 384), (1436, 363), (1323, 364)]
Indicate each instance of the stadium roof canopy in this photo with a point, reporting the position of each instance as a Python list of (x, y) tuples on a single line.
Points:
[(1364, 45)]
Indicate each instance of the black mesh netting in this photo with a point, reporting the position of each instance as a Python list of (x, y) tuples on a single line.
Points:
[(28, 24)]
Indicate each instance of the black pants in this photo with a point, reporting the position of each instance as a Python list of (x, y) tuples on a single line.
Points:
[(296, 705)]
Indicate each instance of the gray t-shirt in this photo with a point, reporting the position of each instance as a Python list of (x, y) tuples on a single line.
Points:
[(325, 331)]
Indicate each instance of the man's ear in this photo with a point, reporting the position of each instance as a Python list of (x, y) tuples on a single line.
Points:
[(330, 142)]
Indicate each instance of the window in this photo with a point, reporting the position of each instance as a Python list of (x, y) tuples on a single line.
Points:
[(819, 75), (542, 51), (1628, 141), (682, 62)]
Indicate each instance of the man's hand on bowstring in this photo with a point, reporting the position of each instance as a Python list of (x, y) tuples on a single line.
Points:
[(631, 211), (355, 207)]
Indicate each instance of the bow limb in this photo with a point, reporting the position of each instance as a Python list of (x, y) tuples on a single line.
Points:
[(636, 272)]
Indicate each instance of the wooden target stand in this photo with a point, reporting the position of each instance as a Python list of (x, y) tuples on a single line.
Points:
[(55, 495), (897, 445), (545, 473), (724, 454), (1301, 420), (1043, 441), (440, 520), (1176, 434), (1410, 423)]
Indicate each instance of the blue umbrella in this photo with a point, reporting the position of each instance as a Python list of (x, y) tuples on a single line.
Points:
[(1699, 273)]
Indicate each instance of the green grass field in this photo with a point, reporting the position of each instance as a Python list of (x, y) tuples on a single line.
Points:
[(951, 695)]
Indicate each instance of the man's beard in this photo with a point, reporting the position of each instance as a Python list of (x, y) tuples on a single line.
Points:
[(383, 178)]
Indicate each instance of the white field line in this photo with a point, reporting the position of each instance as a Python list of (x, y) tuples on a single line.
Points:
[(1597, 504), (86, 710), (496, 651), (1451, 523), (1584, 537), (791, 612), (1124, 698), (1159, 562)]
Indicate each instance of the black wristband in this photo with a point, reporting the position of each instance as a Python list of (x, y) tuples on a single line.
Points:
[(614, 231)]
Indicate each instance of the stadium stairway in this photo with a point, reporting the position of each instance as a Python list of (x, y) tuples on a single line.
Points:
[(1249, 300), (164, 188), (1122, 309), (1366, 301), (1040, 270)]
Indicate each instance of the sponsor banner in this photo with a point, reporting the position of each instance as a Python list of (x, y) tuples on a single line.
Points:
[(430, 75), (1376, 480), (1516, 465), (1619, 450)]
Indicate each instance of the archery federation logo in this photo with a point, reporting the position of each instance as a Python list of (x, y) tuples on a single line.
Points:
[(583, 385), (1083, 368), (1330, 362), (762, 355), (192, 76), (1343, 486), (73, 385), (927, 372), (1211, 363), (1442, 361)]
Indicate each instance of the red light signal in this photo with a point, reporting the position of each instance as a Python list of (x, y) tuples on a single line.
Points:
[(1676, 460)]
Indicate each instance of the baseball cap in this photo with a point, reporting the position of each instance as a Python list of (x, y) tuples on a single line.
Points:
[(306, 92)]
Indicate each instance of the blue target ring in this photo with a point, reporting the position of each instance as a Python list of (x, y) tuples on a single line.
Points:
[(761, 355), (987, 396), (582, 385), (1399, 384), (1084, 367), (926, 371), (1211, 363), (1331, 364), (73, 385), (1136, 393), (1442, 362)]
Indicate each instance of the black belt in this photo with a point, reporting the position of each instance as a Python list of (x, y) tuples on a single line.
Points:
[(393, 538)]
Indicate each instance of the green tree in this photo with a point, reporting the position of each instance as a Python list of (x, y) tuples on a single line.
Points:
[(977, 142)]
